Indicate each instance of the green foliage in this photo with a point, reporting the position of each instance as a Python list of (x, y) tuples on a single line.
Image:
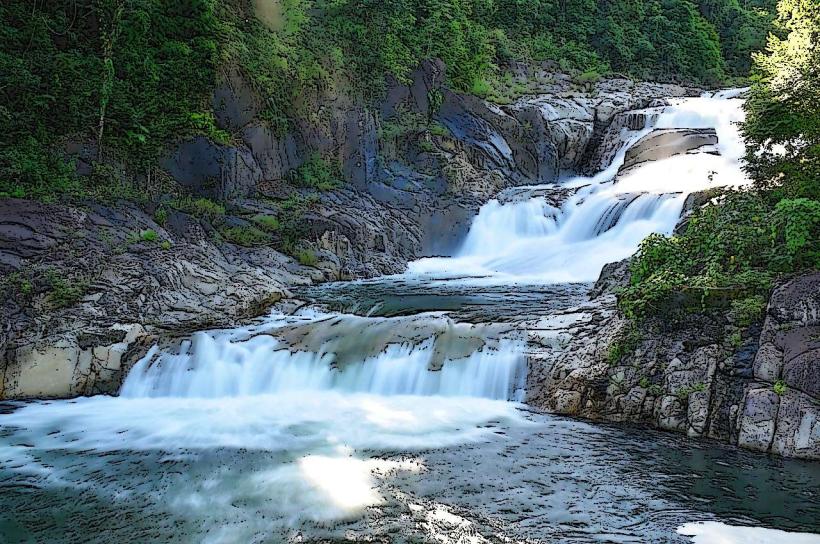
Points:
[(590, 76), (166, 245), (731, 251), (780, 387), (124, 79), (736, 339), (624, 344), (63, 291), (149, 235), (246, 235), (126, 74), (307, 257), (748, 310), (684, 392), (316, 173), (782, 128), (201, 208), (267, 223), (161, 216), (728, 252), (796, 227), (653, 389), (292, 223)]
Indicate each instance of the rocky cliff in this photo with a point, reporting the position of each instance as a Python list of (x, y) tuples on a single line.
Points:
[(753, 386)]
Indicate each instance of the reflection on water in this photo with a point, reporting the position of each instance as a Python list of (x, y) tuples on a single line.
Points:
[(465, 300)]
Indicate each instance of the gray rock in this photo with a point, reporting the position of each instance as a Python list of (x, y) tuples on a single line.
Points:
[(758, 419), (664, 143)]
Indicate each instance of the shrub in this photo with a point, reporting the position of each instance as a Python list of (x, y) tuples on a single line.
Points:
[(588, 77), (748, 310), (64, 292), (166, 245), (247, 236), (684, 392), (316, 173), (201, 208), (624, 344), (149, 235), (161, 216), (728, 257), (307, 257), (268, 223), (437, 129), (780, 387)]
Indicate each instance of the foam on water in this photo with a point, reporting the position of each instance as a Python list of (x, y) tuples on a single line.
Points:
[(531, 241), (315, 411), (316, 470), (715, 532), (218, 365)]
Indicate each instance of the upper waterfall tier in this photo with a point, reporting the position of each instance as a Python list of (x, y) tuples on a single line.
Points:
[(528, 237)]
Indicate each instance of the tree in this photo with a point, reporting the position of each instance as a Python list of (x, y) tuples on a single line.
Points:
[(782, 128)]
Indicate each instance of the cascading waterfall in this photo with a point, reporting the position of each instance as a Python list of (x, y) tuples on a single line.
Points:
[(532, 241), (529, 239), (223, 364)]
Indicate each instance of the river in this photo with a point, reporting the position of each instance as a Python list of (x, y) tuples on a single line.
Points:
[(394, 410)]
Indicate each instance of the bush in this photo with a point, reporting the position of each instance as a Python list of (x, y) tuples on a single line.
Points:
[(728, 256), (149, 235), (780, 387), (247, 236), (201, 208), (307, 257), (268, 223), (746, 311), (64, 291), (316, 173), (161, 216), (625, 344)]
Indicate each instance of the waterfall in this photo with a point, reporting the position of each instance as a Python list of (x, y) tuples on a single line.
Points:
[(529, 240), (449, 360)]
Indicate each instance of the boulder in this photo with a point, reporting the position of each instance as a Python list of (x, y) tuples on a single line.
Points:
[(664, 143)]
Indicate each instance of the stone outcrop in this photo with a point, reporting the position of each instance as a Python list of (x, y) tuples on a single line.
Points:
[(780, 409), (757, 389), (85, 294), (664, 143)]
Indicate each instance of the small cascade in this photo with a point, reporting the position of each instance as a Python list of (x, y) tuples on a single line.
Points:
[(222, 364), (604, 217)]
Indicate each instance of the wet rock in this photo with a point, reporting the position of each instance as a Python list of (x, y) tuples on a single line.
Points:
[(50, 351), (664, 143), (613, 276), (758, 419), (685, 378), (671, 414)]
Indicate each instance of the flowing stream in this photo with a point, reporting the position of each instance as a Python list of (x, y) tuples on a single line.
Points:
[(396, 414)]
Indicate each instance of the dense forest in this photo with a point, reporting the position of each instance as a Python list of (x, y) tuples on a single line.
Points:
[(130, 76)]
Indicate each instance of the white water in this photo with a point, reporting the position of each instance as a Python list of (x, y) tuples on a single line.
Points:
[(224, 364), (247, 389), (604, 221)]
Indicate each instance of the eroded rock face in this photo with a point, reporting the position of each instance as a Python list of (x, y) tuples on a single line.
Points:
[(786, 419), (761, 395), (129, 290)]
